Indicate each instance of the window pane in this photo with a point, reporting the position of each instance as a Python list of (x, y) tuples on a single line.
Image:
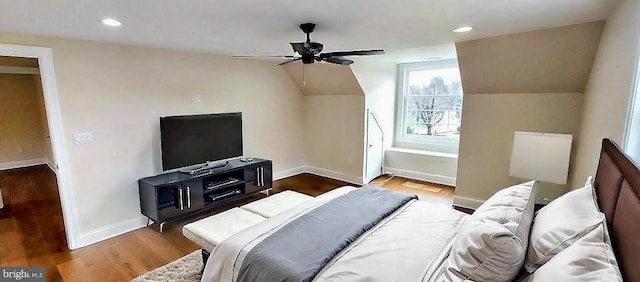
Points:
[(456, 87), (436, 80), (414, 90), (427, 103), (441, 103), (456, 103), (455, 117)]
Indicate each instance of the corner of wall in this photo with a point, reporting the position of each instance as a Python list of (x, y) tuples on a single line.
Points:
[(609, 89), (465, 202)]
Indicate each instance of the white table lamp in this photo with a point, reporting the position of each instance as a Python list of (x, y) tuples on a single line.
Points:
[(541, 156)]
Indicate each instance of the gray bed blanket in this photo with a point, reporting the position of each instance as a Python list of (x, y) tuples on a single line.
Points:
[(300, 249)]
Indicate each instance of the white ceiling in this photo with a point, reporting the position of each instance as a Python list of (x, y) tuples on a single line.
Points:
[(266, 27)]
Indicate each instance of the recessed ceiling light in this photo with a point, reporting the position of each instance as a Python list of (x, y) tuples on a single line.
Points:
[(463, 29), (111, 22)]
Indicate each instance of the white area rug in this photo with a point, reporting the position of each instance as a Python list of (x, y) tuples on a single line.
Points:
[(184, 269)]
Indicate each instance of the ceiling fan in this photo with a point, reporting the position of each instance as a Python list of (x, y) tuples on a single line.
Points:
[(308, 52)]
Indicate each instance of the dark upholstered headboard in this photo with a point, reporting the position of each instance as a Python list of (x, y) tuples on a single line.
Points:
[(617, 186)]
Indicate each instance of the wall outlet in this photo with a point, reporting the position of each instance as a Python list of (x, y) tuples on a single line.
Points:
[(196, 98), (83, 138)]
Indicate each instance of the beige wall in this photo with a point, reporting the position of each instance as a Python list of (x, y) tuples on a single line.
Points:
[(334, 140), (323, 79), (552, 60), (488, 124), (118, 92), (21, 132), (333, 119), (610, 87), (491, 114)]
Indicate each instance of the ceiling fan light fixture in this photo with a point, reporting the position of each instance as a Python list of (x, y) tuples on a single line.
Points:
[(111, 22), (463, 29), (309, 51)]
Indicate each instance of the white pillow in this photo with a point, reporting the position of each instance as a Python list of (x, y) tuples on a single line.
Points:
[(590, 258), (492, 244), (561, 223)]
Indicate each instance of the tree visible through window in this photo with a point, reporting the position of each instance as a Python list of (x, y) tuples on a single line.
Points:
[(431, 100)]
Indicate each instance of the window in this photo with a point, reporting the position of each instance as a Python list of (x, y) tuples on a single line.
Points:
[(632, 130), (429, 103)]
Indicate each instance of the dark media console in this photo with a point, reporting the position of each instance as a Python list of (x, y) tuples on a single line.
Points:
[(175, 195)]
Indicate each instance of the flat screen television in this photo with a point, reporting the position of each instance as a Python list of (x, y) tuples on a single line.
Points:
[(197, 139)]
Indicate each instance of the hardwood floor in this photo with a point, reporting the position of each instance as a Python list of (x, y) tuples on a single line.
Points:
[(32, 230), (31, 226)]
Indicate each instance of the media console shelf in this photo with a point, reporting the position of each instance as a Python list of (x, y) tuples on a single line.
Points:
[(175, 195)]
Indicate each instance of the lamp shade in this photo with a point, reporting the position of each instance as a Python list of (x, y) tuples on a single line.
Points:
[(541, 156)]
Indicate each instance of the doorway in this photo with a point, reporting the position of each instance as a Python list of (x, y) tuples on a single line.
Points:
[(31, 221), (59, 160), (374, 164)]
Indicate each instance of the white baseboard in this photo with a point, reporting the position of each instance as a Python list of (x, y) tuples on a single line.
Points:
[(428, 177), (466, 202), (51, 166), (20, 164), (333, 175), (116, 229), (111, 231), (319, 172), (288, 173)]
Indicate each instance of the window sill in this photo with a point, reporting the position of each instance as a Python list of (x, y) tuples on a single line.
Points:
[(440, 142), (437, 148), (423, 152)]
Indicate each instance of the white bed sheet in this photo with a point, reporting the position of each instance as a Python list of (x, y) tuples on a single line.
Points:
[(402, 247)]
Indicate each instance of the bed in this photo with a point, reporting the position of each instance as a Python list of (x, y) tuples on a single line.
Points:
[(415, 241)]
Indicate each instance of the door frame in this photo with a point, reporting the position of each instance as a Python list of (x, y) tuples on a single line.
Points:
[(56, 131), (371, 117)]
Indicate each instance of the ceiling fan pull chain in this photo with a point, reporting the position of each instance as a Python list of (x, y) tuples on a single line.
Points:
[(304, 82)]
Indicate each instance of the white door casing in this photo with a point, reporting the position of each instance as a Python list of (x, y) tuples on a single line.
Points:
[(374, 166), (54, 120)]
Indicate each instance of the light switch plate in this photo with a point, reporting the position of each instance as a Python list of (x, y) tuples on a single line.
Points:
[(83, 138)]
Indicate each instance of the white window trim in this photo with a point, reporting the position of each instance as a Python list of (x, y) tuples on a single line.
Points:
[(401, 88), (631, 136)]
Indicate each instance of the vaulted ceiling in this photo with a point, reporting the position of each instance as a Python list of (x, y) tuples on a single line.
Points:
[(266, 27)]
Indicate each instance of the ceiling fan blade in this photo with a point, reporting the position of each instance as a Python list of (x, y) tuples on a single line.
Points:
[(289, 61), (338, 60), (352, 53), (264, 56)]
